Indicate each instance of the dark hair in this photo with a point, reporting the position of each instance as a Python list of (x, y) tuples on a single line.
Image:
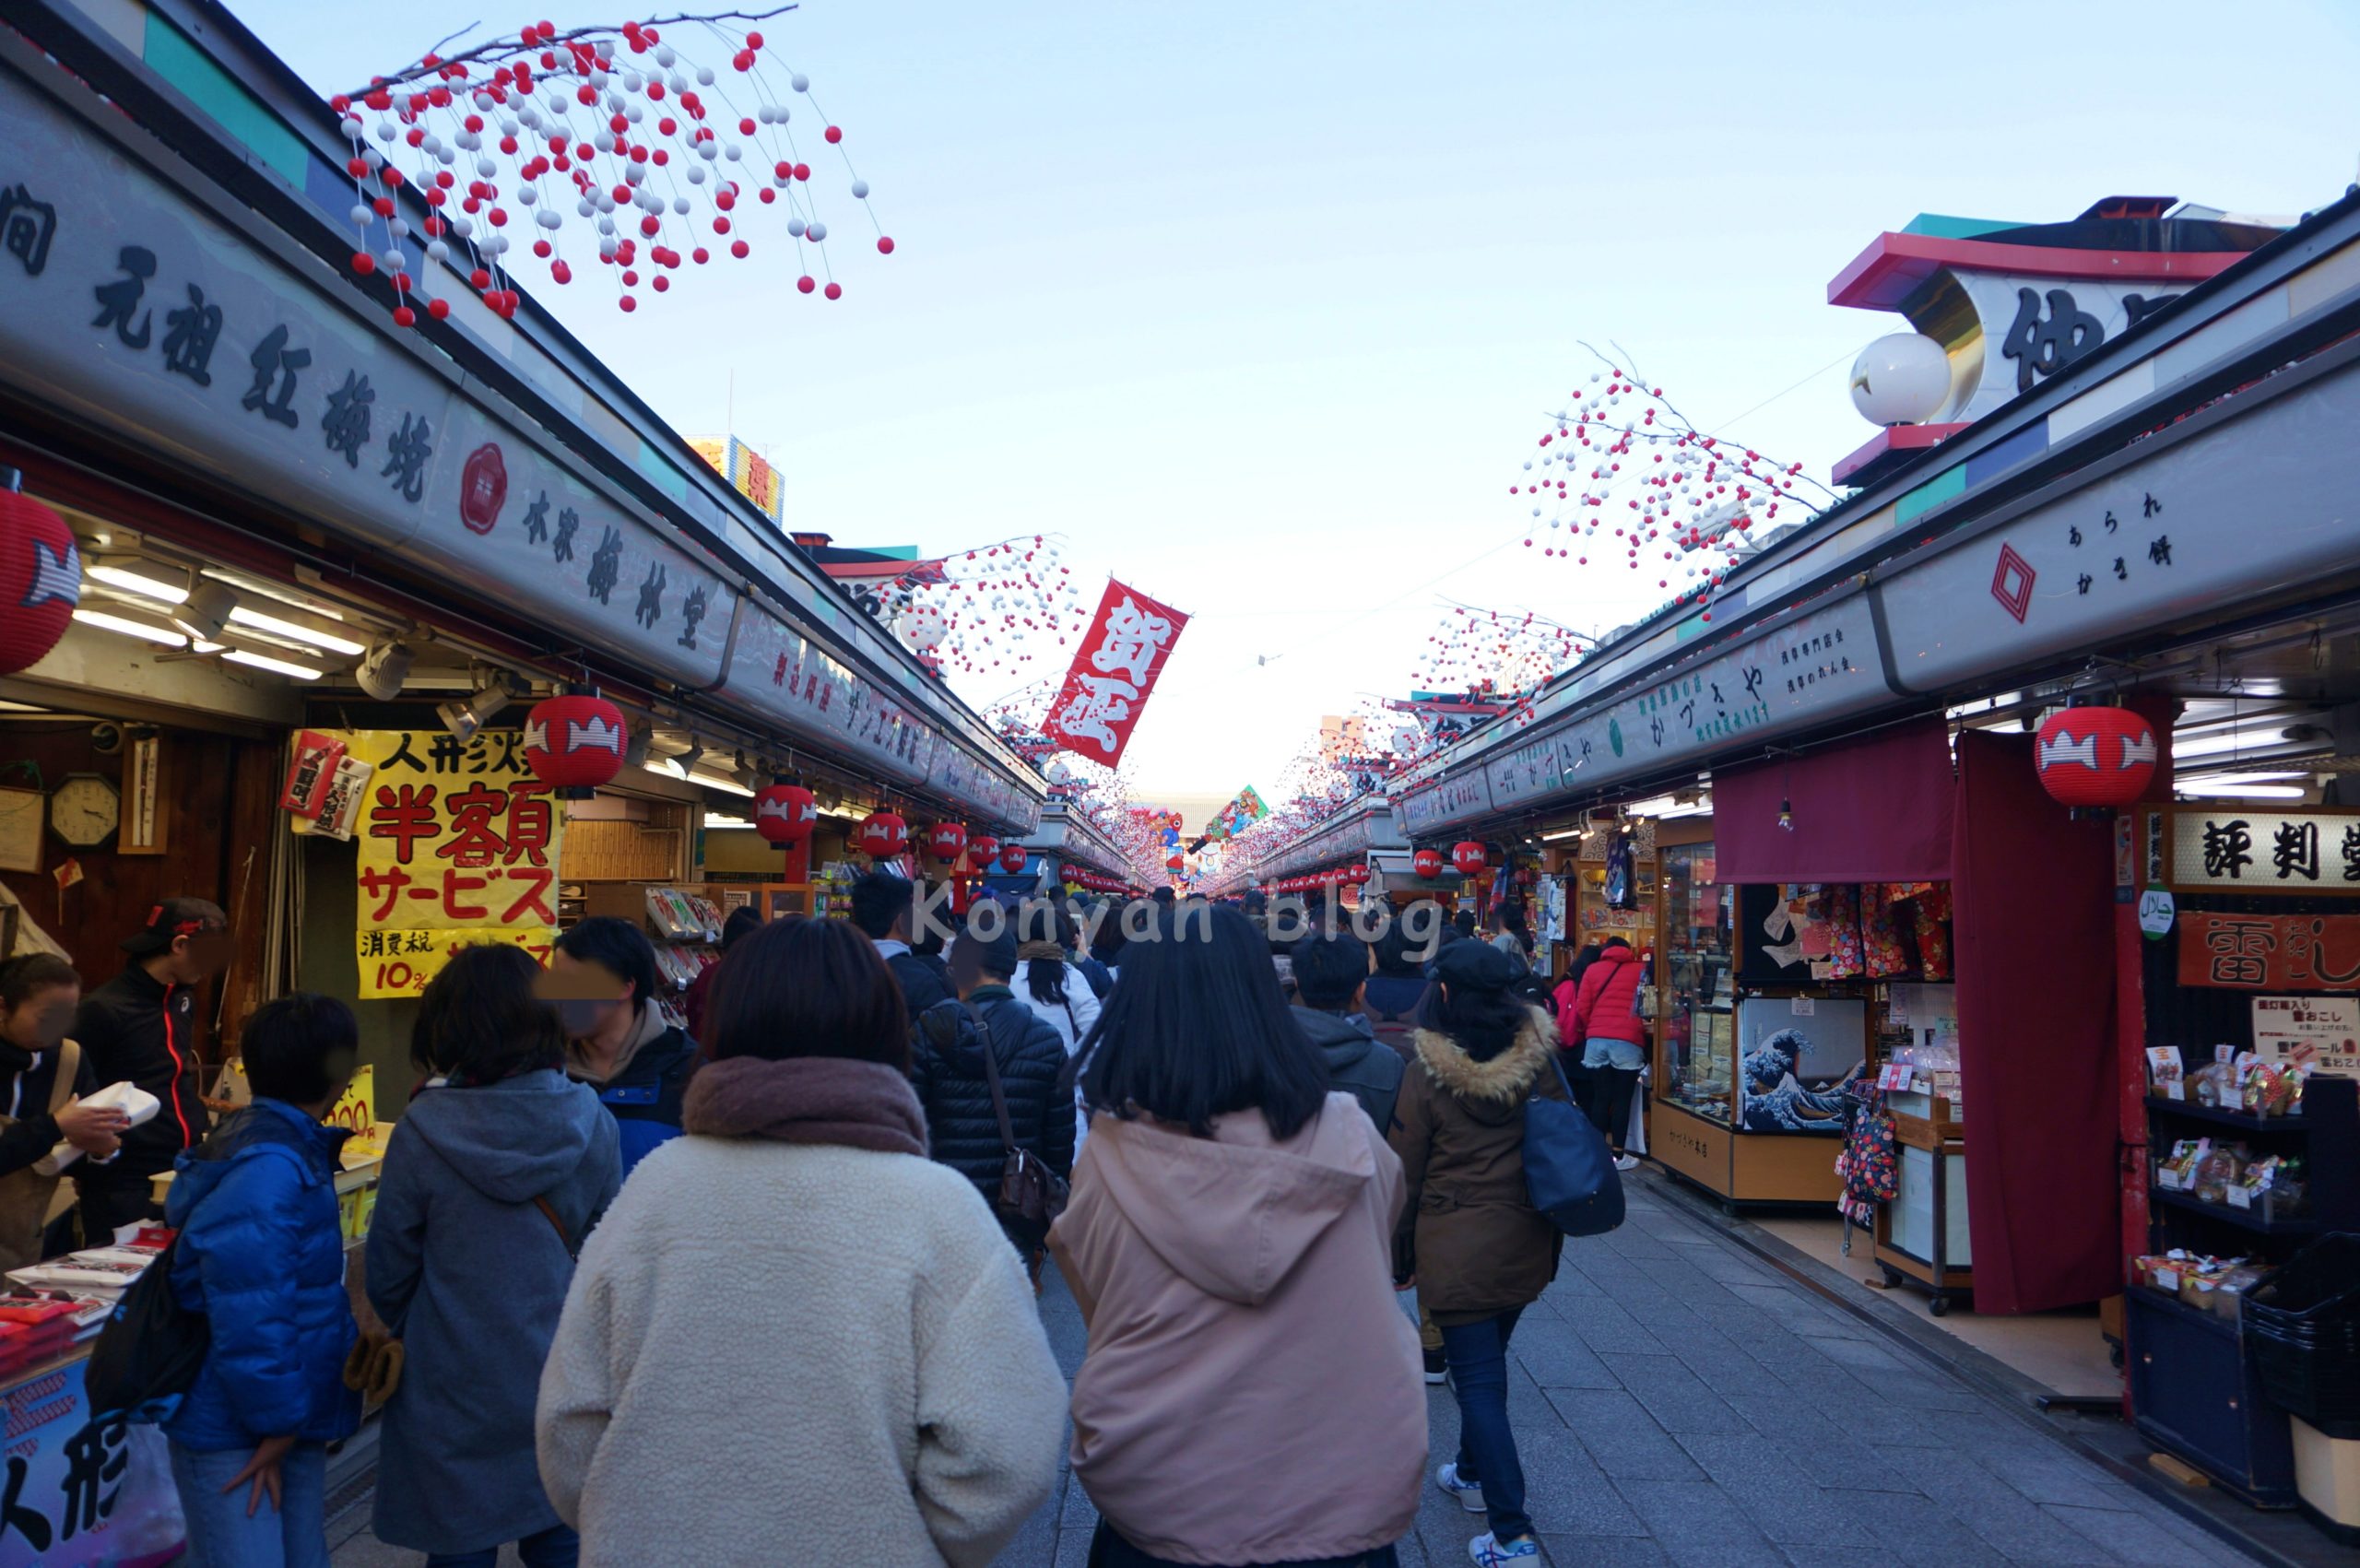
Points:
[(1482, 1022), (299, 1047), (743, 922), (1198, 1028), (1328, 970), (1580, 966), (21, 977), (995, 957), (1613, 942), (1464, 922), (1106, 942), (616, 945), (1393, 949), (480, 1019), (801, 987), (879, 900), (1044, 979)]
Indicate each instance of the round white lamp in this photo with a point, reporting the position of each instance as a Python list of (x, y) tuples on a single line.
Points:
[(1902, 379)]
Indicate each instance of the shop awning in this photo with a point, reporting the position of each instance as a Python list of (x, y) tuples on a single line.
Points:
[(1876, 810)]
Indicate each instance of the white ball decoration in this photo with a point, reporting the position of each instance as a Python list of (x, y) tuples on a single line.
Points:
[(922, 627), (815, 231), (1902, 378), (800, 82), (860, 190)]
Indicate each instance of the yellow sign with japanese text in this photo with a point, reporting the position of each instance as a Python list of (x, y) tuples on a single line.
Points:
[(458, 843)]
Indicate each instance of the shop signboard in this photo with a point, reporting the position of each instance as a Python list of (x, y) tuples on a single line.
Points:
[(2174, 534), (131, 309), (1452, 798), (2233, 849), (2270, 952), (82, 1490), (458, 843), (2319, 1032), (136, 311), (1113, 674)]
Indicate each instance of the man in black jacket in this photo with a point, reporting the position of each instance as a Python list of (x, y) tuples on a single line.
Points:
[(142, 1026), (881, 908), (1329, 974), (946, 1068)]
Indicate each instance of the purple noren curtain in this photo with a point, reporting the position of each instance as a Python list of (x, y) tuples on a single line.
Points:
[(1876, 810)]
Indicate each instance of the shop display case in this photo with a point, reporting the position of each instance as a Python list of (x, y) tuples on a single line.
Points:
[(1771, 1141)]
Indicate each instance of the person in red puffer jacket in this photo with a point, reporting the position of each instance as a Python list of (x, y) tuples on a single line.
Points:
[(1606, 1026)]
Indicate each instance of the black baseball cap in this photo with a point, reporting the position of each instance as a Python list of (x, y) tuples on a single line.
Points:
[(175, 919)]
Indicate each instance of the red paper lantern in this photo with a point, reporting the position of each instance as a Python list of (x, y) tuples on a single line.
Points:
[(41, 580), (785, 813), (2097, 755), (883, 835), (983, 847), (574, 742), (1467, 855), (945, 839), (1013, 857), (1357, 876), (1427, 862)]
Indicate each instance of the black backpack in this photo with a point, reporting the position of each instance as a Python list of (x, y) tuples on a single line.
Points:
[(150, 1350)]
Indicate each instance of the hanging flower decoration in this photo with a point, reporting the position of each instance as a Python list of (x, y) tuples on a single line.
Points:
[(1622, 475), (596, 145)]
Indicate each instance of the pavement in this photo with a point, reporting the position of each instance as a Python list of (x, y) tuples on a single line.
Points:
[(1678, 1399)]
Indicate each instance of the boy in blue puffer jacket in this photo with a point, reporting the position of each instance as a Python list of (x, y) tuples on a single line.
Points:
[(261, 1253)]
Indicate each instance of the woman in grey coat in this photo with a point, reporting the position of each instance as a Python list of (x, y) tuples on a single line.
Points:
[(491, 1179)]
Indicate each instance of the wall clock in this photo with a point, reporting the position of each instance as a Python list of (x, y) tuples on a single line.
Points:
[(85, 810)]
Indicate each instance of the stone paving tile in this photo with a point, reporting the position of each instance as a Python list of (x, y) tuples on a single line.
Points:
[(2134, 1538), (1818, 1448), (1674, 1395), (1556, 1357), (1918, 1530), (1759, 1475), (1567, 1493), (1695, 1522), (1605, 1327), (2003, 1518), (1625, 1441), (1608, 1551)]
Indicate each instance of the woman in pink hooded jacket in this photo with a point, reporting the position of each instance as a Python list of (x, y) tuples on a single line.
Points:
[(1250, 1393)]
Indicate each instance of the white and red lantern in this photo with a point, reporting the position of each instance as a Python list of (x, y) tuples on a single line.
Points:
[(1013, 858), (1428, 863), (945, 839), (574, 742), (1357, 876), (1467, 855), (784, 814), (883, 835), (2097, 755), (41, 580), (983, 847)]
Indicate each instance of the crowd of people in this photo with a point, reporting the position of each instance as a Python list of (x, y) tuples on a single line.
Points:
[(1284, 1188)]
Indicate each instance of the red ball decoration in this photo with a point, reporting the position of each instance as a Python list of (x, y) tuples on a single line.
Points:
[(784, 814), (1013, 857), (982, 847), (1427, 862), (883, 835), (1467, 855), (574, 743), (41, 580), (2097, 755), (945, 839)]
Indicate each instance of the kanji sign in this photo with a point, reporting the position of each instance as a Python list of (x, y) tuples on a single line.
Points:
[(1113, 675), (2321, 1033), (458, 843), (2274, 852), (2270, 952), (78, 1490)]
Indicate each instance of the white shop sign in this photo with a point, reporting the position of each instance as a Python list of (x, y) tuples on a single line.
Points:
[(2317, 1031), (2267, 851)]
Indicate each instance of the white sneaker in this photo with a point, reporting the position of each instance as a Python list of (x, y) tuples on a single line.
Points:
[(1470, 1497), (1487, 1550), (1626, 1163)]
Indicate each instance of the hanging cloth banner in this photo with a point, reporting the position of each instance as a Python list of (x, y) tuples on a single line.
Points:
[(1114, 673)]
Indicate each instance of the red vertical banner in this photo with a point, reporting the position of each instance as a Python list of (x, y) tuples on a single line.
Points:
[(1114, 673)]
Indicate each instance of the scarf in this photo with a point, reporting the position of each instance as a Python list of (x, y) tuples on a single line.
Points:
[(650, 1026), (806, 1100), (1041, 952)]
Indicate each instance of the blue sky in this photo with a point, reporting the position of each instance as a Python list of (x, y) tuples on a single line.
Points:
[(1258, 304)]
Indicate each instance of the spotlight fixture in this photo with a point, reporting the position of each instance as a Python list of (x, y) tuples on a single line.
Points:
[(206, 610), (464, 720), (383, 669), (635, 748), (688, 760)]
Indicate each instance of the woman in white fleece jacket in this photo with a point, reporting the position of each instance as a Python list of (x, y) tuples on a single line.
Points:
[(795, 1279)]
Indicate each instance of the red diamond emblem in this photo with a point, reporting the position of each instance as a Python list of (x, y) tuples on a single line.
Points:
[(2012, 583)]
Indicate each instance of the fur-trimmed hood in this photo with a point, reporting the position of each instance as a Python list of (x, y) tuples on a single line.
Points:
[(1499, 1085)]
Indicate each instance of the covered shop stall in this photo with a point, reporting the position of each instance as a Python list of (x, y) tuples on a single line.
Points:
[(384, 638), (1895, 707)]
